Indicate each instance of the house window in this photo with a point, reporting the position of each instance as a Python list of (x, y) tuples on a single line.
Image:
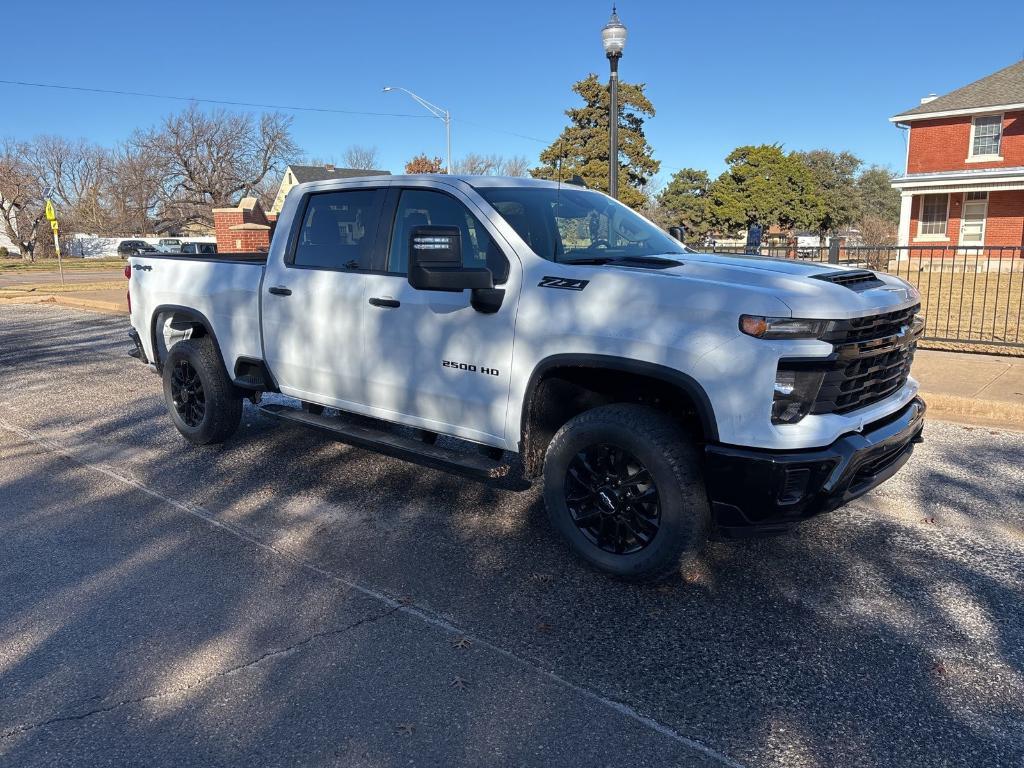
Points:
[(934, 212), (985, 135)]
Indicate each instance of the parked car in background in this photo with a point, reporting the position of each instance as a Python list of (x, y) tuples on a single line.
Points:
[(199, 248), (169, 244), (128, 248)]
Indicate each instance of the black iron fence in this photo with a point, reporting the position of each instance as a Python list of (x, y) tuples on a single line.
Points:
[(969, 294)]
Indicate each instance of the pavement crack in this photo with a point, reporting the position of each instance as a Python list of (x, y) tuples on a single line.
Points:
[(166, 692)]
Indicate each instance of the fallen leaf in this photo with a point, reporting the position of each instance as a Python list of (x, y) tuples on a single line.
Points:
[(460, 682), (543, 626), (461, 642), (405, 600), (405, 729)]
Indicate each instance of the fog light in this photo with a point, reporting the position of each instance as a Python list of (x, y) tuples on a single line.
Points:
[(795, 392)]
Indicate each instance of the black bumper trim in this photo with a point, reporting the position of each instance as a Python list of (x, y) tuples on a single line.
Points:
[(137, 351), (756, 491)]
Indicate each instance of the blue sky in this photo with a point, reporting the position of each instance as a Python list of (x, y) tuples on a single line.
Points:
[(805, 74)]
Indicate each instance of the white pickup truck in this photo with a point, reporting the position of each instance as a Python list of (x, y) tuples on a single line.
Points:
[(663, 395)]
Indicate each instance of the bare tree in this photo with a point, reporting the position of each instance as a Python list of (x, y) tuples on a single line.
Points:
[(212, 160), (78, 174), (362, 158), (136, 188), (517, 165), (21, 198)]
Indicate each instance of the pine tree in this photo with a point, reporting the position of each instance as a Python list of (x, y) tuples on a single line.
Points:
[(582, 146)]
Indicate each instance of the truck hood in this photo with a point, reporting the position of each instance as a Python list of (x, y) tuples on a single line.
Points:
[(796, 283)]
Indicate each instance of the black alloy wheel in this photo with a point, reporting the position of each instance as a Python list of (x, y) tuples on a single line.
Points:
[(187, 394), (613, 499)]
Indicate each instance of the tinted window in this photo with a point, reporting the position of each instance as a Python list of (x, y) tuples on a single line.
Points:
[(337, 230), (422, 208), (569, 223)]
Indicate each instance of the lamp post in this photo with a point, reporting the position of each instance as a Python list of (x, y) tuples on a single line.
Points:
[(613, 37), (436, 111)]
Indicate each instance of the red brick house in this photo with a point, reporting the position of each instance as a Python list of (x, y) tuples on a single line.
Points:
[(964, 180)]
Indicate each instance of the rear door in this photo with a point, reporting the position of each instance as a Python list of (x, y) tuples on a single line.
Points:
[(432, 360), (312, 299)]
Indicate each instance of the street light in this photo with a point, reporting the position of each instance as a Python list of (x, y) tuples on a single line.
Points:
[(437, 112), (613, 37)]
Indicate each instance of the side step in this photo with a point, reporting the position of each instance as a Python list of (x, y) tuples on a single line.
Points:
[(469, 464)]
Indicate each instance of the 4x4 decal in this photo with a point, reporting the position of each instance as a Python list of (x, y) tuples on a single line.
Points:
[(565, 283)]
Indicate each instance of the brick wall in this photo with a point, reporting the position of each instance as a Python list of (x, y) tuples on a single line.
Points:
[(244, 228), (1004, 222), (943, 145)]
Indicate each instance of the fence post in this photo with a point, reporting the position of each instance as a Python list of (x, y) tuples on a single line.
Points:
[(833, 250)]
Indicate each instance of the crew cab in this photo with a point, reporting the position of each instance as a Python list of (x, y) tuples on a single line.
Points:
[(663, 395)]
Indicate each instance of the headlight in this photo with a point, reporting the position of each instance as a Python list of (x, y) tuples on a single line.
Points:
[(782, 327), (795, 393)]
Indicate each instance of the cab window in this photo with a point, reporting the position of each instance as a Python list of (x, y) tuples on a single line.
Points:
[(424, 208), (337, 230)]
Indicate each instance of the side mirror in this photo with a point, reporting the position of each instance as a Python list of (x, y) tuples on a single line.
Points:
[(435, 262), (679, 233)]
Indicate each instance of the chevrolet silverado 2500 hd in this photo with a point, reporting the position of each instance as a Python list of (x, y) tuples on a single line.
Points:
[(662, 394)]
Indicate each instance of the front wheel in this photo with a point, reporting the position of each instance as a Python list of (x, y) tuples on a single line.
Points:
[(204, 404), (623, 485)]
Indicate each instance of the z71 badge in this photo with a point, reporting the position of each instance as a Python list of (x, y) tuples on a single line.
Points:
[(565, 283)]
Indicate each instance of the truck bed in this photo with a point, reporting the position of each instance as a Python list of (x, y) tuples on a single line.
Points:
[(222, 288), (249, 257)]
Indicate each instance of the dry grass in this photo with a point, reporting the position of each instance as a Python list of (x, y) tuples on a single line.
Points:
[(44, 265), (972, 307)]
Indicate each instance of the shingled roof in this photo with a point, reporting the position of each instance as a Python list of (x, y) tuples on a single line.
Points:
[(304, 173), (998, 89)]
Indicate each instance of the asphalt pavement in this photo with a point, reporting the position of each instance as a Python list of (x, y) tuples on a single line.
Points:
[(285, 600)]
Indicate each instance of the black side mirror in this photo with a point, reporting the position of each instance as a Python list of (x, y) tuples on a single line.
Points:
[(679, 233), (435, 262)]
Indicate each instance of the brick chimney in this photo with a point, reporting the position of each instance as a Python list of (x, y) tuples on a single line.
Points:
[(242, 229)]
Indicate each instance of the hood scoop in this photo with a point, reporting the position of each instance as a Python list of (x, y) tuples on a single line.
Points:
[(854, 279)]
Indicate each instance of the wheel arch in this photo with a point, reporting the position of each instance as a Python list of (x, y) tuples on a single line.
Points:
[(186, 316), (539, 420)]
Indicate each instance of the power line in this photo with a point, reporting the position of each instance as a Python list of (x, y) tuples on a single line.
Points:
[(290, 108), (258, 105)]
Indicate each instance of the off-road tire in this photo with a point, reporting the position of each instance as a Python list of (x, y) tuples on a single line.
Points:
[(223, 401), (673, 461)]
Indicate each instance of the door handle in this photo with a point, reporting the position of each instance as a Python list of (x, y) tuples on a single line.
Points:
[(385, 302), (280, 290)]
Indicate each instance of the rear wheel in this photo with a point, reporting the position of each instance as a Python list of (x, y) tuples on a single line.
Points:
[(622, 484), (204, 404)]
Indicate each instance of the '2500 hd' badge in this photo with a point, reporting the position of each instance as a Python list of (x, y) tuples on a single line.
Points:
[(565, 283)]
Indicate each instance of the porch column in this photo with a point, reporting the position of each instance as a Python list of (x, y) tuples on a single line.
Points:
[(903, 233)]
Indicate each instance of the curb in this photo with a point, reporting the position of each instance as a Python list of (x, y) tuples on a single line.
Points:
[(974, 412), (107, 307)]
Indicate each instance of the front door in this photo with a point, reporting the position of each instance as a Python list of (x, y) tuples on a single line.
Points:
[(312, 302), (432, 360)]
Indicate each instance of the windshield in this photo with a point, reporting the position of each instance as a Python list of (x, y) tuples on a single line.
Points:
[(572, 224)]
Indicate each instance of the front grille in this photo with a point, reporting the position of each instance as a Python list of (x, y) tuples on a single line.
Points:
[(872, 362), (872, 327)]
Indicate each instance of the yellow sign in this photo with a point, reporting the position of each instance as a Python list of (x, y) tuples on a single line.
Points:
[(54, 226), (50, 214)]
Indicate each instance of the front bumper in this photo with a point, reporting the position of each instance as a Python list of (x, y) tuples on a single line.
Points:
[(754, 492)]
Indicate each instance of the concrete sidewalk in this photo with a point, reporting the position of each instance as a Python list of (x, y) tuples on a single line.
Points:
[(987, 390)]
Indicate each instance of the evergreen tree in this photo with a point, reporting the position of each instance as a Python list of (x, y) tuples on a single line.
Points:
[(582, 146), (684, 201)]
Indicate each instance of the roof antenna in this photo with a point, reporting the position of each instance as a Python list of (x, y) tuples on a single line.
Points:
[(558, 200)]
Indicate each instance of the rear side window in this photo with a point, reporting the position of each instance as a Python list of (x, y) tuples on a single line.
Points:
[(337, 230), (423, 208)]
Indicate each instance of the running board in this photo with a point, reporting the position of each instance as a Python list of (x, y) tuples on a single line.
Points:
[(388, 443)]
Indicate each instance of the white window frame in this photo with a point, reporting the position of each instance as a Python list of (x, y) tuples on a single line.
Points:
[(932, 238), (973, 158), (963, 216)]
